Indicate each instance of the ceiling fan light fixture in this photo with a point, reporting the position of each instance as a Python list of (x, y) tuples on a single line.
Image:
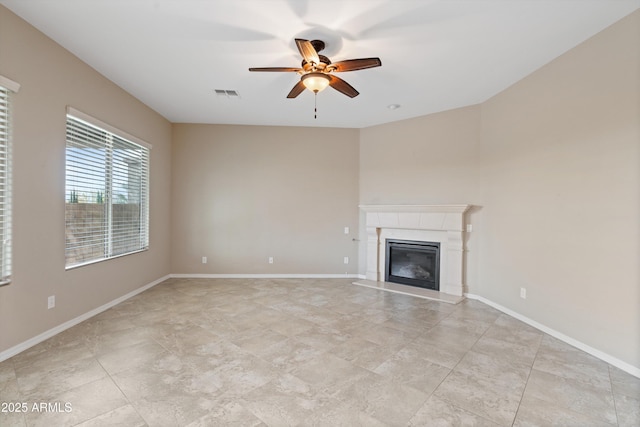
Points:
[(315, 82)]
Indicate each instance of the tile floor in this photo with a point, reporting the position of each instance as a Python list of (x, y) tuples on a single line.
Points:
[(205, 352)]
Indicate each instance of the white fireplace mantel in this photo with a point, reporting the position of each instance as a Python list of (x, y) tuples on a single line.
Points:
[(444, 224)]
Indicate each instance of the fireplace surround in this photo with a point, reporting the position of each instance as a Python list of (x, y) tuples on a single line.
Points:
[(441, 224)]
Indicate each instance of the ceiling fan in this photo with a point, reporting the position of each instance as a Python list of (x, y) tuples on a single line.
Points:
[(317, 70)]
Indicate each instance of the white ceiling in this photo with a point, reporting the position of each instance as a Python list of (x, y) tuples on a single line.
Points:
[(436, 54)]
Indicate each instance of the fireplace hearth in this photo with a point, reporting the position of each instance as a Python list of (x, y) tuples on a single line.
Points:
[(414, 263)]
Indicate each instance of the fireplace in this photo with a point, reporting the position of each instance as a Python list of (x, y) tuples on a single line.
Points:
[(414, 263), (440, 224)]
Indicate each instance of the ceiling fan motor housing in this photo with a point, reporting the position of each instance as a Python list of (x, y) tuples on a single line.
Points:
[(318, 45), (324, 61)]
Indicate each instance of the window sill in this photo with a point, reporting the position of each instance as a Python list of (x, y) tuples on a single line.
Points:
[(95, 261)]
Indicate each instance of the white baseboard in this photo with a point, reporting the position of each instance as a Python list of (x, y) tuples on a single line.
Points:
[(630, 369), (265, 276), (70, 323)]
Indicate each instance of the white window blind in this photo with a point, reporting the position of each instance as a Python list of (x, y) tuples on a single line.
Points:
[(107, 193), (5, 187)]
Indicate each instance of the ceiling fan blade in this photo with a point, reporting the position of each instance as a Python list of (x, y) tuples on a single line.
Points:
[(297, 90), (307, 51), (355, 64), (276, 69), (341, 86)]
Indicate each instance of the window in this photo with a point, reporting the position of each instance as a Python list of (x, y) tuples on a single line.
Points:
[(107, 192), (6, 87)]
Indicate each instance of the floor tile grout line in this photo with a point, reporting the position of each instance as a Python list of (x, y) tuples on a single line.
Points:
[(453, 369), (121, 391), (613, 396), (526, 384)]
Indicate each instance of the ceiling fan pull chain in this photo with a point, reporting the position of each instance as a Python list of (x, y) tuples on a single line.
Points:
[(315, 105)]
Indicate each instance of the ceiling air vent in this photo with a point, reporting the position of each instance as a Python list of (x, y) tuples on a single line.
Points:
[(233, 94)]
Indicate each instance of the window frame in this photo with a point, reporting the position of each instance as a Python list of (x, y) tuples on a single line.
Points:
[(112, 134)]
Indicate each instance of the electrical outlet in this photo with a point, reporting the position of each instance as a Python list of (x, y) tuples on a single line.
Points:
[(346, 260), (51, 302), (204, 259), (270, 260), (346, 230), (469, 228), (523, 293)]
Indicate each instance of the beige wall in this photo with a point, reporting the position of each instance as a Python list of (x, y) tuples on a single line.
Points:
[(553, 164), (425, 160), (561, 168), (51, 78), (244, 193)]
